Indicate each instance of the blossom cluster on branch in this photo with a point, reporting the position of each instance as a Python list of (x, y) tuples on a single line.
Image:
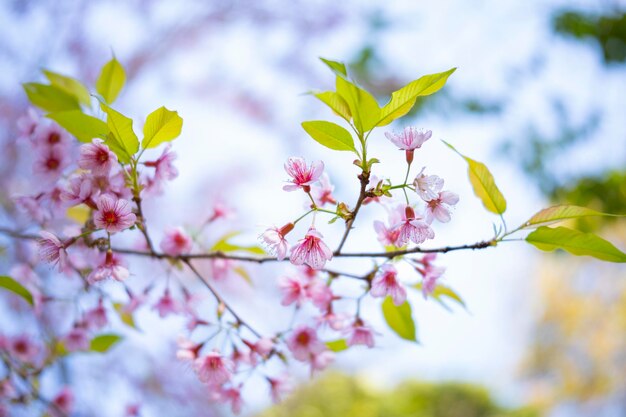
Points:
[(91, 177)]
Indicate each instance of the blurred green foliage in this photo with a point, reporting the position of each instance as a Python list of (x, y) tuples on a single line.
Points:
[(337, 395), (608, 30)]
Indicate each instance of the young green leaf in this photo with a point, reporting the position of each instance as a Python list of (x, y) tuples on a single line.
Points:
[(403, 100), (483, 184), (363, 106), (81, 125), (338, 68), (126, 317), (122, 140), (337, 345), (559, 213), (442, 291), (162, 125), (50, 98), (111, 80), (336, 103), (223, 245), (104, 342), (576, 243), (15, 287), (241, 271), (69, 85), (399, 319), (330, 135)]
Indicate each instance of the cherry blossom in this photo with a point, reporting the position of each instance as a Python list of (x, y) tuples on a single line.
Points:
[(47, 135), (311, 250), (76, 339), (52, 250), (439, 208), (275, 242), (22, 348), (113, 214), (427, 186), (430, 273), (63, 403), (360, 334), (279, 386), (413, 228), (176, 242), (111, 266), (212, 369), (323, 191), (304, 344), (293, 289), (409, 139), (385, 283), (50, 163), (302, 175), (166, 305), (96, 318), (97, 157), (79, 190)]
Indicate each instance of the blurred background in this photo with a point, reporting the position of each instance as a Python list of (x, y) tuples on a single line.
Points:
[(539, 96)]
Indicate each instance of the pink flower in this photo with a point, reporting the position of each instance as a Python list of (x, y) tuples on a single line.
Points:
[(79, 190), (430, 273), (279, 386), (427, 186), (388, 236), (33, 208), (96, 318), (166, 305), (188, 350), (302, 175), (27, 124), (335, 321), (97, 157), (63, 403), (212, 369), (413, 228), (113, 215), (293, 290), (321, 360), (76, 339), (311, 250), (360, 334), (52, 250), (304, 344), (221, 268), (176, 242), (409, 139), (22, 348), (439, 208), (164, 168), (323, 193), (221, 211), (386, 283), (48, 135), (275, 242), (114, 184), (231, 395), (111, 266), (50, 163), (320, 294)]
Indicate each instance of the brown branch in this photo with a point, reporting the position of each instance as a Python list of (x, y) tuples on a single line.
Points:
[(364, 178)]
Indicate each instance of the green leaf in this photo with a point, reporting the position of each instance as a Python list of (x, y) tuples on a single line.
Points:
[(338, 68), (69, 85), (122, 140), (223, 245), (403, 100), (483, 184), (336, 103), (81, 125), (556, 214), (162, 125), (104, 342), (576, 243), (241, 271), (399, 319), (126, 317), (15, 287), (50, 98), (337, 345), (442, 291), (111, 80), (330, 135), (363, 106)]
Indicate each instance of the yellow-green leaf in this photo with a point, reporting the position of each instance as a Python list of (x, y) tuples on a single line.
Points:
[(80, 214), (223, 245), (399, 319), (363, 106), (15, 287), (336, 103), (483, 184), (576, 243), (241, 271), (338, 68), (50, 98), (70, 85), (126, 317), (162, 125), (330, 135), (122, 139), (559, 213), (104, 342), (402, 100), (337, 345), (111, 80), (81, 125)]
